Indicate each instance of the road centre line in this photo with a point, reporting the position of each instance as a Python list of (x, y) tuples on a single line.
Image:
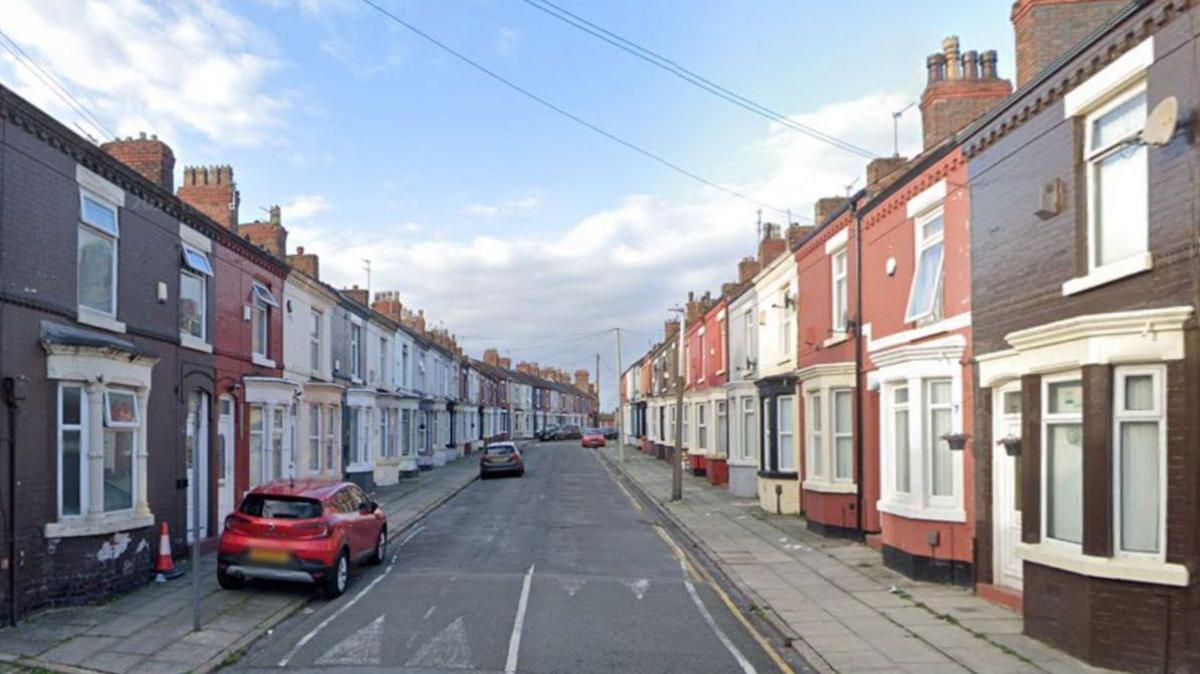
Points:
[(344, 607), (514, 641)]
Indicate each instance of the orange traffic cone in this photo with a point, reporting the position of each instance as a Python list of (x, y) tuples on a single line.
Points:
[(164, 567)]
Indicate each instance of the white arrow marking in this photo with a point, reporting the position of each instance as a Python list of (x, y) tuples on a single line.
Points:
[(572, 585), (514, 640), (360, 648), (639, 587), (449, 649)]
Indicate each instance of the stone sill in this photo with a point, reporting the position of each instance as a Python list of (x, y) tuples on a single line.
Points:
[(98, 320), (830, 487), (99, 525), (1134, 569)]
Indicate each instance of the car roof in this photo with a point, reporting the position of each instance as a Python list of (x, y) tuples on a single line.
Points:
[(501, 444), (307, 488)]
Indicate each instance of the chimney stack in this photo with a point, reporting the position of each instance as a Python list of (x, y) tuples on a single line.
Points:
[(670, 328), (505, 363), (305, 262), (1047, 29), (826, 207), (148, 156), (581, 380), (747, 268), (211, 190), (796, 234), (958, 91), (387, 302), (356, 294), (883, 172), (771, 246), (269, 235)]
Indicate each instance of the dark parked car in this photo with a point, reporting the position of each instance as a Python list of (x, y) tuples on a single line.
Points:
[(547, 433), (308, 531), (501, 458), (568, 432), (609, 432)]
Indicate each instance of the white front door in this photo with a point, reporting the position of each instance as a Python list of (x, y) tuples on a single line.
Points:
[(197, 464), (224, 461), (1006, 486)]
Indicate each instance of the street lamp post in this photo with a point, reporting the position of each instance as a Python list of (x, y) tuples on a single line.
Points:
[(677, 454)]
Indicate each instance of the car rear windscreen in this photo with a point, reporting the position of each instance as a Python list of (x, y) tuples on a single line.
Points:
[(499, 451), (280, 507)]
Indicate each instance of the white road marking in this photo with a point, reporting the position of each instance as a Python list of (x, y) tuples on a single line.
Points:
[(360, 648), (514, 641), (344, 607), (448, 650), (429, 613), (639, 587), (745, 664)]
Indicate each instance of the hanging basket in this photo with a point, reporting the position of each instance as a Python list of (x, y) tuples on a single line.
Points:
[(1012, 445), (957, 441)]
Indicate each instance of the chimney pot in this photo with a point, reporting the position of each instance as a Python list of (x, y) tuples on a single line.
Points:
[(970, 65)]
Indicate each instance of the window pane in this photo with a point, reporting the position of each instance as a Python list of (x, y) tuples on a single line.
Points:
[(931, 227), (1119, 123), (843, 451), (1012, 402), (191, 305), (256, 444), (901, 396), (841, 414), (1064, 482), (277, 442), (1119, 184), (1139, 393), (72, 479), (900, 440), (95, 273), (939, 393), (72, 405), (1140, 494), (926, 284), (939, 425), (122, 407), (99, 214), (118, 469), (1065, 397)]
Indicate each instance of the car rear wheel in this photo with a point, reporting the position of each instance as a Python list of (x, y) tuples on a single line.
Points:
[(338, 578), (380, 553), (229, 582)]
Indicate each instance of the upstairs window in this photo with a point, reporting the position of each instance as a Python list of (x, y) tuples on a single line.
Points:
[(841, 290), (355, 350), (260, 315), (193, 293), (315, 320), (96, 281), (1117, 179), (925, 298)]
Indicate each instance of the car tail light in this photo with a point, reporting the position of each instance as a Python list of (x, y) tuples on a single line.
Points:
[(236, 524), (317, 529)]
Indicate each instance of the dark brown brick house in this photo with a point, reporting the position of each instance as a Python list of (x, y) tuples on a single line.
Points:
[(1085, 287)]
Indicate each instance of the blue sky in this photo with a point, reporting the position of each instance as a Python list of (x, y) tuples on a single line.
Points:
[(513, 226)]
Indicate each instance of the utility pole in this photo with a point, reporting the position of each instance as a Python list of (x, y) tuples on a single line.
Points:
[(677, 454), (620, 409), (596, 418)]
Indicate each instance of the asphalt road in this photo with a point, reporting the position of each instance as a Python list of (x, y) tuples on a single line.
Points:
[(552, 572)]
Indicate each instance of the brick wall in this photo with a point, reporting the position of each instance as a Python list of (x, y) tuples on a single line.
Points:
[(1047, 29)]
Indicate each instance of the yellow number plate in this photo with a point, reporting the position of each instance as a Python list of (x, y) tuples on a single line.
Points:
[(268, 556)]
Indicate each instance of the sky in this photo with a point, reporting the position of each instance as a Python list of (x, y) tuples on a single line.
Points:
[(509, 224)]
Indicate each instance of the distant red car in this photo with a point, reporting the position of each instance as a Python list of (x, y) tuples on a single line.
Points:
[(593, 437), (308, 531)]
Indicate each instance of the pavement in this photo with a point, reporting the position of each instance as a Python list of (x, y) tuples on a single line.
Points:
[(150, 630), (556, 571), (840, 608)]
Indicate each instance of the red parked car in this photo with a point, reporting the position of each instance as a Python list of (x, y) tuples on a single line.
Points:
[(593, 437), (308, 531)]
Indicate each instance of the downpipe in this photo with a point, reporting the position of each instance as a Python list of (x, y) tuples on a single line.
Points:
[(14, 395), (858, 362)]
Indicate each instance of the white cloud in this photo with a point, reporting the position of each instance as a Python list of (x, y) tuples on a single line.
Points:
[(304, 207), (623, 266), (526, 202), (145, 66)]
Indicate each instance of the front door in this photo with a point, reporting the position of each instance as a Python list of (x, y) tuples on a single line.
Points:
[(224, 460), (197, 465), (1006, 486)]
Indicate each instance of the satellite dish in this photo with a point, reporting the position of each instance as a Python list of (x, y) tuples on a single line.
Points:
[(1160, 125)]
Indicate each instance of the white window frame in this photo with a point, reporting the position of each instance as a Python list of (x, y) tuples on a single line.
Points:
[(835, 434), (930, 444), (701, 426), (356, 335), (839, 288), (703, 353), (1091, 160), (889, 430), (721, 439), (922, 243), (748, 335), (203, 308), (1158, 414), (315, 439), (1047, 420), (260, 318), (108, 420), (316, 330), (818, 469), (113, 235), (84, 437), (788, 402)]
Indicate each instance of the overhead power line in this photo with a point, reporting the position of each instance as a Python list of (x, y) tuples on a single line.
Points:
[(660, 61), (566, 113), (54, 85)]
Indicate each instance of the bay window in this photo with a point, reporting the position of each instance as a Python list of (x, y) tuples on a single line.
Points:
[(1139, 464), (814, 442), (843, 435), (938, 423), (314, 438), (332, 429), (900, 444), (72, 450), (702, 426), (121, 420), (1062, 460), (785, 432), (722, 440)]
